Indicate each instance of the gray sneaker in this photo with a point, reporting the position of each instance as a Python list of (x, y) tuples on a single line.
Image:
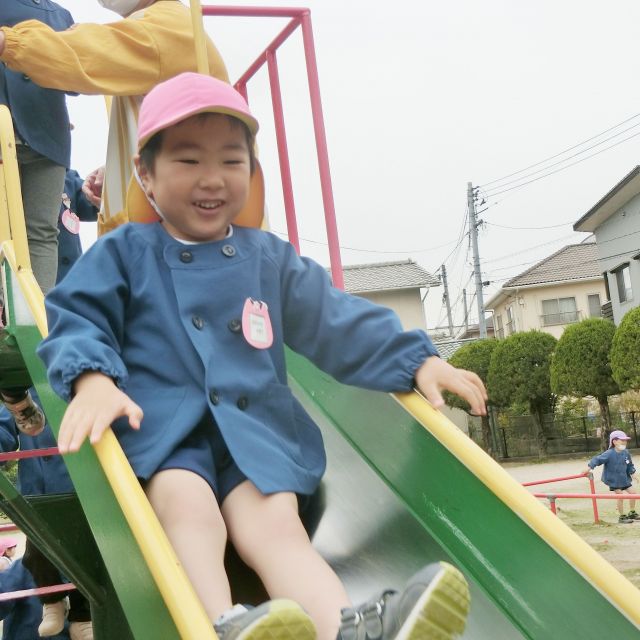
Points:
[(273, 620), (433, 606)]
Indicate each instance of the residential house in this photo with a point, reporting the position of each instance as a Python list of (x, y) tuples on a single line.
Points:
[(564, 288), (393, 284), (615, 222)]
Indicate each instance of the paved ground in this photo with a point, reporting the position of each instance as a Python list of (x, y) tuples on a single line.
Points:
[(618, 543)]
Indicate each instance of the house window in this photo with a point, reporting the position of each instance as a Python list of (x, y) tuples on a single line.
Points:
[(511, 323), (499, 327), (623, 282), (559, 311), (595, 310)]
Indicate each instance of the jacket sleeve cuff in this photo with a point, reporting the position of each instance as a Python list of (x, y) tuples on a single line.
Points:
[(73, 371), (11, 42)]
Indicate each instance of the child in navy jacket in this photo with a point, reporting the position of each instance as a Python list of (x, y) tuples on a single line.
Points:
[(190, 317), (617, 472)]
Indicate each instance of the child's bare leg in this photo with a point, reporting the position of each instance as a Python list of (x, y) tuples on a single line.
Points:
[(632, 502), (620, 505), (188, 512), (270, 538)]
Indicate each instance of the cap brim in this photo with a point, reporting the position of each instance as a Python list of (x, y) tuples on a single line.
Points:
[(251, 123)]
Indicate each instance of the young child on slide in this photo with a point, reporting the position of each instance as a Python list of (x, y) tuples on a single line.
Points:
[(184, 322)]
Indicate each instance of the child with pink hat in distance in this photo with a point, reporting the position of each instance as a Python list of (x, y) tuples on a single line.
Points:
[(8, 548), (617, 472), (215, 435)]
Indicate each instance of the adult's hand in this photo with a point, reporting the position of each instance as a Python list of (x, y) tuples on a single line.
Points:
[(92, 186)]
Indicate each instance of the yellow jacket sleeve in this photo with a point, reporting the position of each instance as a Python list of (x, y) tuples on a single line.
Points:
[(123, 58)]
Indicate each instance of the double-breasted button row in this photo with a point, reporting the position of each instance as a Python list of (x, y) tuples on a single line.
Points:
[(242, 403), (227, 250)]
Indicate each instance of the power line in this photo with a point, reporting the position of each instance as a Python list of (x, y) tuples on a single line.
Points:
[(574, 155), (519, 186), (553, 226), (575, 146)]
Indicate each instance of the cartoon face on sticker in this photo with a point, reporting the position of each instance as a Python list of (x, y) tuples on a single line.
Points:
[(256, 324)]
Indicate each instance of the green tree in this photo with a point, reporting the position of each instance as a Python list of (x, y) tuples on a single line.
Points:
[(519, 372), (581, 366), (474, 356), (625, 351)]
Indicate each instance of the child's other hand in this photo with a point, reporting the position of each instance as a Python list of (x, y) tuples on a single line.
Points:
[(96, 404), (435, 375)]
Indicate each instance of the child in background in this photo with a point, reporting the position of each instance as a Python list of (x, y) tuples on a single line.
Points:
[(43, 148), (21, 616), (225, 447), (42, 476), (617, 472), (8, 546)]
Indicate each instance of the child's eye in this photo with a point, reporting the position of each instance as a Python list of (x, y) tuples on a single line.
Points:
[(187, 160), (234, 161)]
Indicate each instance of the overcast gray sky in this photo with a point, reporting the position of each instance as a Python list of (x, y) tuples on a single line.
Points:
[(421, 97)]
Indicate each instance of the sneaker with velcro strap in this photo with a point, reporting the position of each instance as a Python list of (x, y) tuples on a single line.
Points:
[(433, 606)]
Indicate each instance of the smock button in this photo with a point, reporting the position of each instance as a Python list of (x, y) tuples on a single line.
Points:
[(214, 396), (186, 257), (25, 77), (198, 322), (65, 260), (235, 325), (243, 403), (229, 250)]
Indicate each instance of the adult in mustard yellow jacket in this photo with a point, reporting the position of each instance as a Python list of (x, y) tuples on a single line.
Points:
[(125, 59)]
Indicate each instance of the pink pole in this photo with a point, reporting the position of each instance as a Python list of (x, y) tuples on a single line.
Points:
[(323, 154), (30, 453), (531, 484), (283, 152), (592, 485), (593, 496), (40, 591), (552, 504)]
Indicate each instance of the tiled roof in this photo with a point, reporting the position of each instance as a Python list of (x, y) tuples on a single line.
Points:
[(448, 347), (385, 276), (573, 262)]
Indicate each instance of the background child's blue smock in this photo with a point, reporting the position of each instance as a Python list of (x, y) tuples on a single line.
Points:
[(21, 617), (172, 313), (618, 467)]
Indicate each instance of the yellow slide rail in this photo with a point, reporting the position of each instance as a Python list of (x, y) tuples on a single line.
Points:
[(589, 563)]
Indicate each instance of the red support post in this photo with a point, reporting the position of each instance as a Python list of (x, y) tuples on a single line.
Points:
[(596, 516), (552, 504)]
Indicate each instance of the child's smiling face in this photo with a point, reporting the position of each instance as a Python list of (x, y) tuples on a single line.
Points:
[(200, 178)]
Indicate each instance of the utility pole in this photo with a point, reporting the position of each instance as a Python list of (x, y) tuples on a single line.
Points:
[(446, 299), (473, 229), (466, 311)]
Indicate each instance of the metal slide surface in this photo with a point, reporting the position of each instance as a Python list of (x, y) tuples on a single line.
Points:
[(415, 502)]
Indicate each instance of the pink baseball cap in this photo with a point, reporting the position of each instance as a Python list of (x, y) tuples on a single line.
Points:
[(617, 435), (6, 543), (186, 95)]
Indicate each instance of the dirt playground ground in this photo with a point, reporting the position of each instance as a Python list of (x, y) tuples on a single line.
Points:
[(618, 543)]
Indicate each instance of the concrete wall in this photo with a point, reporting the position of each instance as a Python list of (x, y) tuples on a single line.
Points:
[(405, 302)]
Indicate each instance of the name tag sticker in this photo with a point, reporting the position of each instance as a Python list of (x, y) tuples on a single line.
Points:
[(71, 221), (256, 324)]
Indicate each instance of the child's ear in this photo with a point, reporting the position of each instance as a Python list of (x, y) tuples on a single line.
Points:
[(143, 174)]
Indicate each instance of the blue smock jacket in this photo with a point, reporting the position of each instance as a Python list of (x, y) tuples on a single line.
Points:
[(163, 319), (39, 115), (618, 467), (36, 476), (69, 247), (21, 617)]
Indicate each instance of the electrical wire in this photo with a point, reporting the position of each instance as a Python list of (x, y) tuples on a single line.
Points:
[(575, 146)]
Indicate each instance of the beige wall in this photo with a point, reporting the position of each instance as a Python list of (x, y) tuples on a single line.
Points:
[(405, 302), (526, 305)]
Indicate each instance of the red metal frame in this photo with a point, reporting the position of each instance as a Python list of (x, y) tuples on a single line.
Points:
[(552, 497), (300, 17)]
